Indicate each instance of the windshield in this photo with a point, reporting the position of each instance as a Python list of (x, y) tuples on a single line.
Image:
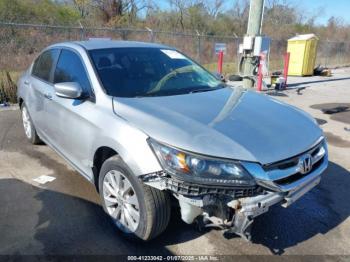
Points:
[(135, 72)]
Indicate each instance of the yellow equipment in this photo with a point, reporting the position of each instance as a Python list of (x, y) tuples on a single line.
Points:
[(302, 49)]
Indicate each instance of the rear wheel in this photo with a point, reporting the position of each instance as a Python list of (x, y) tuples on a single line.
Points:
[(136, 209), (28, 126)]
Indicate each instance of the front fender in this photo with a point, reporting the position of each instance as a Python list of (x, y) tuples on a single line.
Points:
[(133, 148)]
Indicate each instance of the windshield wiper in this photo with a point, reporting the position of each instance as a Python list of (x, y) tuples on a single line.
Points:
[(146, 95), (204, 89)]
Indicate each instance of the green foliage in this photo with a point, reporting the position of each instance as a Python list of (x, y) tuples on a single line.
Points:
[(37, 11)]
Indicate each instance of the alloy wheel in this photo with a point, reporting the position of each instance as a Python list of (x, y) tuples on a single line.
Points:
[(121, 201)]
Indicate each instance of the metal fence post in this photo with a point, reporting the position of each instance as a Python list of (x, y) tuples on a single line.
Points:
[(238, 56), (327, 53), (124, 35), (151, 34), (198, 46), (82, 33)]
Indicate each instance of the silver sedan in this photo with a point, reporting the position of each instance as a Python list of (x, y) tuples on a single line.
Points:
[(153, 129)]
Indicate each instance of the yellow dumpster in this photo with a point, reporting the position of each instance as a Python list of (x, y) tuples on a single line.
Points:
[(302, 49)]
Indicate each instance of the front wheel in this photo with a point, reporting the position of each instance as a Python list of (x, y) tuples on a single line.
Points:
[(136, 209)]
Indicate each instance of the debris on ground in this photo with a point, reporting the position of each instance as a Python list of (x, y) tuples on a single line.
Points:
[(322, 71), (300, 89), (276, 93), (278, 82), (235, 78), (321, 121), (276, 73), (44, 179), (334, 110)]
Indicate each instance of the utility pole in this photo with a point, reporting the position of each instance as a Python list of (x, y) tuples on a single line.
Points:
[(256, 11)]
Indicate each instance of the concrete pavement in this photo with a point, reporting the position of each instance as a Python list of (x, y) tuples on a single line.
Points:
[(64, 216)]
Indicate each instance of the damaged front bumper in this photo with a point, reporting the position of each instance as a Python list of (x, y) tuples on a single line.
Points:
[(234, 208), (246, 209)]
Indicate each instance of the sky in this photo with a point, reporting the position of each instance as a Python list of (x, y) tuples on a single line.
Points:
[(326, 8), (329, 8)]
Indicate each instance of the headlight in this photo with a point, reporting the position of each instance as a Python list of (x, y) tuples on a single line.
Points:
[(201, 169)]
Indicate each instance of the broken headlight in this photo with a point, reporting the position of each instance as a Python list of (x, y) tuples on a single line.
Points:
[(201, 169)]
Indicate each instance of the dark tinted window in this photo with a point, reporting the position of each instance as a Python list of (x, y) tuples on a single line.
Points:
[(70, 69), (132, 72), (43, 65)]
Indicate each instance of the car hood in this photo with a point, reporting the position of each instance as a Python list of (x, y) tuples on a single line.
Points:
[(228, 123)]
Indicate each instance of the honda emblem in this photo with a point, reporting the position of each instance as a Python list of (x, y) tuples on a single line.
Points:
[(305, 164)]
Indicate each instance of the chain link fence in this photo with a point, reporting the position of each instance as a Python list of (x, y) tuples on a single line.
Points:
[(20, 43)]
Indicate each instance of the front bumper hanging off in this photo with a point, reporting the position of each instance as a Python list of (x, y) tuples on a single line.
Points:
[(234, 209), (246, 209)]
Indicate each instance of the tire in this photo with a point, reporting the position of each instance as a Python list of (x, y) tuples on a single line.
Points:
[(28, 126), (235, 78), (153, 206)]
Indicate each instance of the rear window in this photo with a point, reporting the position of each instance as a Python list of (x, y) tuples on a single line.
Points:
[(133, 72), (43, 65)]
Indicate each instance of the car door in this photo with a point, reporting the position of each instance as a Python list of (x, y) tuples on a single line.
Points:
[(70, 122), (39, 83)]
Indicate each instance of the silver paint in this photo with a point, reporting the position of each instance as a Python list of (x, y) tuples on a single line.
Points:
[(229, 123)]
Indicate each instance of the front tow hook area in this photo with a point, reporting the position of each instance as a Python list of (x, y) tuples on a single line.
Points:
[(246, 209), (241, 226)]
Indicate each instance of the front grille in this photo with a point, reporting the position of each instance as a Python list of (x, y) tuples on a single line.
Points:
[(187, 189), (292, 164), (297, 176), (293, 161)]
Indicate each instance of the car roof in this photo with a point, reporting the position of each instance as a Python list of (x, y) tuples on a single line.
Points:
[(102, 44)]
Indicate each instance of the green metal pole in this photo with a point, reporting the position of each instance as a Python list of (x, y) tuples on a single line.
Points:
[(254, 28)]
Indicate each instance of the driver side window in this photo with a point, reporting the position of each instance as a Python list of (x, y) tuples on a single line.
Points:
[(70, 68)]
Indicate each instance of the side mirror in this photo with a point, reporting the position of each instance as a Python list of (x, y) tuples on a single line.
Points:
[(70, 90)]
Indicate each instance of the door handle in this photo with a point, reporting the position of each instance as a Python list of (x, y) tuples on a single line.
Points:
[(48, 96), (26, 82)]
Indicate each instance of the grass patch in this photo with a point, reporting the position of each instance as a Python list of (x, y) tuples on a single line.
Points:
[(8, 86), (227, 68)]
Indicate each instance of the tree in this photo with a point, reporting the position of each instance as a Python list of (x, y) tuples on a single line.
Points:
[(119, 12), (109, 8), (83, 6), (214, 7), (180, 8)]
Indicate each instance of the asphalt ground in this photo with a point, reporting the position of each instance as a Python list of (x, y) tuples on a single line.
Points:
[(64, 217)]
